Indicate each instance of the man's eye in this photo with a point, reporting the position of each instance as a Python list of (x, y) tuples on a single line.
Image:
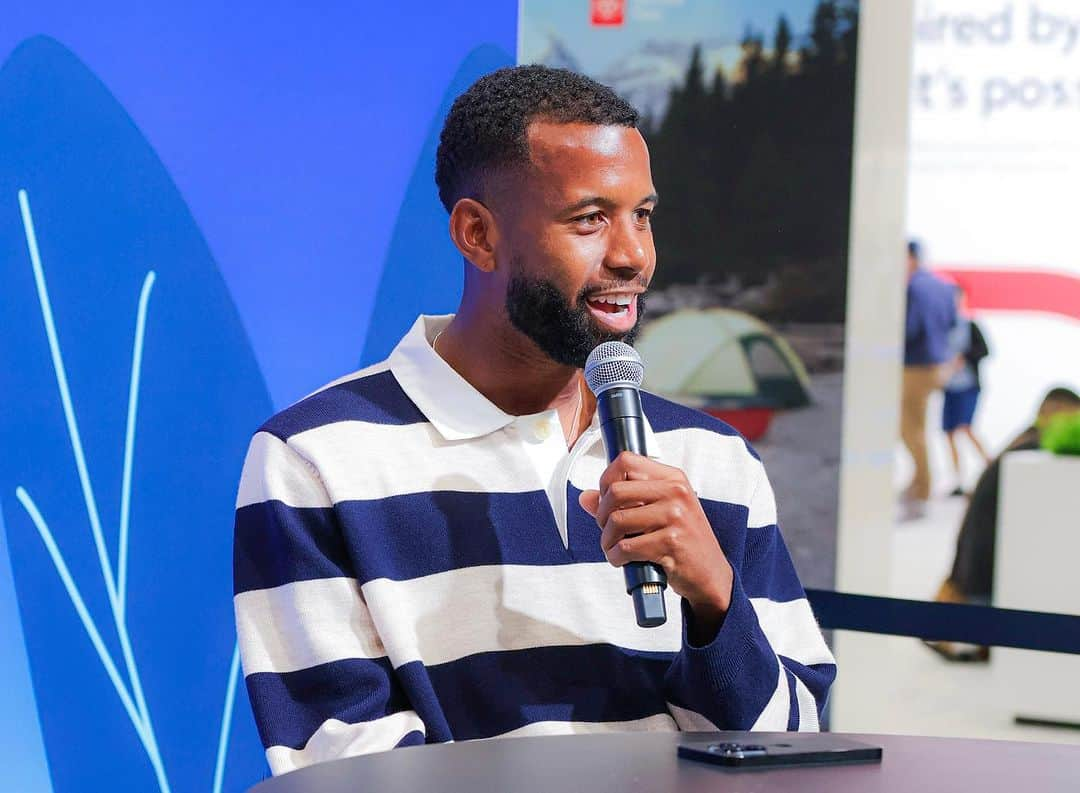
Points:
[(590, 220), (643, 214)]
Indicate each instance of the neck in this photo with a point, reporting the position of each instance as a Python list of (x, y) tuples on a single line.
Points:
[(504, 364), (511, 371)]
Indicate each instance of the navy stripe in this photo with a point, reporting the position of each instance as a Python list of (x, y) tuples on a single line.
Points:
[(728, 522), (582, 530), (793, 702), (665, 416), (816, 677), (491, 693), (376, 398), (417, 534), (445, 530), (277, 544), (414, 677), (434, 532), (290, 707), (413, 738), (730, 680), (477, 696), (767, 570)]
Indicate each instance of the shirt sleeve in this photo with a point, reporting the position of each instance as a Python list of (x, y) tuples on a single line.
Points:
[(317, 674), (768, 667), (913, 316)]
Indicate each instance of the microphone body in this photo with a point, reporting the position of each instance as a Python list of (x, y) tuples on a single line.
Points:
[(618, 402)]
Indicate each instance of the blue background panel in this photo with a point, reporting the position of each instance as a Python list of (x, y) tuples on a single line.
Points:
[(218, 196)]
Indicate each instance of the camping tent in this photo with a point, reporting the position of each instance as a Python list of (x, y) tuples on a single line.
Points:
[(725, 362)]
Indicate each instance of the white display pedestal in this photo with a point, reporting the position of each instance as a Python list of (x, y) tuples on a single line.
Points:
[(1037, 568)]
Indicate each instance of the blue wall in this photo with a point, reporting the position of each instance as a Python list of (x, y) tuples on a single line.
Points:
[(204, 214)]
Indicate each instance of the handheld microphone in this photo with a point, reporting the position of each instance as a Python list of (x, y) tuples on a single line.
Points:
[(614, 372)]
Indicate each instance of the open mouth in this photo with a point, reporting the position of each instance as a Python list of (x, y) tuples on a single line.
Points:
[(616, 311)]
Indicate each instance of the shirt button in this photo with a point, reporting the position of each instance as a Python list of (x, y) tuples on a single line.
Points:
[(542, 430)]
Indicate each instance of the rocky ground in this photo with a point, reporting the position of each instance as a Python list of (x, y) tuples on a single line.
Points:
[(801, 452)]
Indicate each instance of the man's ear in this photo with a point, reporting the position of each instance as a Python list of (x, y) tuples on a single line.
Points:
[(474, 232)]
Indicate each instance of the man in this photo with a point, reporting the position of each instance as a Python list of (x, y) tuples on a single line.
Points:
[(428, 550), (968, 348), (971, 579), (931, 313)]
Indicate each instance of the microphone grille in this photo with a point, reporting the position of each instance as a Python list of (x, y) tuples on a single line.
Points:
[(612, 364)]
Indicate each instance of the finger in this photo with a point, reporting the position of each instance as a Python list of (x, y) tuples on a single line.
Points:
[(589, 501), (620, 469), (653, 547), (636, 520), (630, 493), (630, 466)]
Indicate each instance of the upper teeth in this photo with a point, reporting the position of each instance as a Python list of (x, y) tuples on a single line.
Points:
[(618, 300)]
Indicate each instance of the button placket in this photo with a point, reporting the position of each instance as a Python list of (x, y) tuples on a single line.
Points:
[(542, 429)]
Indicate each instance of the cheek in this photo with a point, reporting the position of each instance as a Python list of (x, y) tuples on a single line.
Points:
[(571, 259), (648, 244)]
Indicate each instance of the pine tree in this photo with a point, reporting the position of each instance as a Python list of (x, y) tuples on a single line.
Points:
[(756, 171), (781, 46), (752, 62), (823, 32)]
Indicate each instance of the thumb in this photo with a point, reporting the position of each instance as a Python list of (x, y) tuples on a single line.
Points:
[(590, 501)]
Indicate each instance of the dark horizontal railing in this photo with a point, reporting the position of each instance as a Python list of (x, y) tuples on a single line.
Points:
[(984, 625)]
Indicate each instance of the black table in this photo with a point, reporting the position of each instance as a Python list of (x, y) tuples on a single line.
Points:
[(647, 762)]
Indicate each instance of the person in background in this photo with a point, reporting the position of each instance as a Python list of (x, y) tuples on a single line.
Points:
[(968, 347), (972, 578), (930, 315)]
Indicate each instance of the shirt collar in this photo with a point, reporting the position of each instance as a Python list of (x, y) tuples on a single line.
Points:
[(456, 409)]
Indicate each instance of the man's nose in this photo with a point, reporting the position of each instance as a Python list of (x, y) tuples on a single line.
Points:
[(626, 256)]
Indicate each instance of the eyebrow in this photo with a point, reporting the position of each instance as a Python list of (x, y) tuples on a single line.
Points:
[(606, 203)]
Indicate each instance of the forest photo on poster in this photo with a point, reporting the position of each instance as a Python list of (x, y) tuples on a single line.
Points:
[(748, 110)]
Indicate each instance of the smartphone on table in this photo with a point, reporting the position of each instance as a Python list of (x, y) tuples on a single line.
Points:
[(774, 751)]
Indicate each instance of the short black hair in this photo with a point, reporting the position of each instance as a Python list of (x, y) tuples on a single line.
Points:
[(914, 249), (1062, 394), (485, 128)]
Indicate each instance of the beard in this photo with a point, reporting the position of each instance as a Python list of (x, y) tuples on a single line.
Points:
[(565, 331)]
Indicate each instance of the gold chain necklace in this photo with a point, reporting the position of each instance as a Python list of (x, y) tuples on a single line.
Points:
[(577, 412)]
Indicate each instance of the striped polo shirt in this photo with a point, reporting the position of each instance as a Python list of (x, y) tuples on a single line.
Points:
[(412, 566)]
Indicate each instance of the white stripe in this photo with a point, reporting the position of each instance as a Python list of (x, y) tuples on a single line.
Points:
[(808, 718), (661, 722), (335, 739), (691, 720), (303, 624), (273, 471), (792, 631), (581, 604), (447, 616), (762, 510), (362, 461), (415, 458), (718, 467), (774, 718)]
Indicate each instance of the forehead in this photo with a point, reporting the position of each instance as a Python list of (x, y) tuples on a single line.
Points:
[(570, 158)]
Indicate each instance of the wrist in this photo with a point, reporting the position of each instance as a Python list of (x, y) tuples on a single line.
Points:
[(708, 614)]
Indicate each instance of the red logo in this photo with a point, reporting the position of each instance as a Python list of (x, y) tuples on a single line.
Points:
[(608, 13)]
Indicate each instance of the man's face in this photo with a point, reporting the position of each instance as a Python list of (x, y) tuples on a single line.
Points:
[(577, 238)]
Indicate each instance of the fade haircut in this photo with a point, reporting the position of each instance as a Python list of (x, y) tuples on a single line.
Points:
[(485, 130)]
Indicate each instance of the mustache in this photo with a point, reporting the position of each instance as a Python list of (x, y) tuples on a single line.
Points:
[(640, 282)]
